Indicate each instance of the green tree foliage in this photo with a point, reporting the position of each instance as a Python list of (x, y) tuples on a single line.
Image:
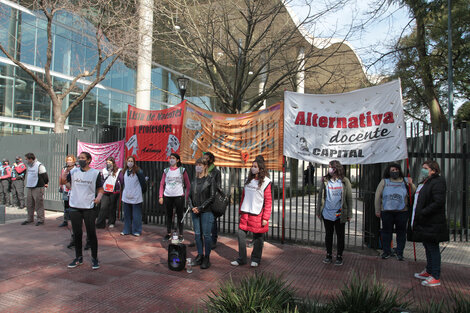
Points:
[(463, 114)]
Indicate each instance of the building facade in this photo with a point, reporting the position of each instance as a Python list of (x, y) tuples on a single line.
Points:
[(25, 108)]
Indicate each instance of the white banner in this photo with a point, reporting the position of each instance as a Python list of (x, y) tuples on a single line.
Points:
[(359, 127)]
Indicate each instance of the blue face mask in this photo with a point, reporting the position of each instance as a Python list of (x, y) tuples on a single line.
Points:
[(424, 173)]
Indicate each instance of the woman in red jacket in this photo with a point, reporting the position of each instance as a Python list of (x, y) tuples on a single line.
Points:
[(255, 211)]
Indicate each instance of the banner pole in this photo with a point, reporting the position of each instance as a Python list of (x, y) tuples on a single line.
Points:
[(283, 198), (411, 204)]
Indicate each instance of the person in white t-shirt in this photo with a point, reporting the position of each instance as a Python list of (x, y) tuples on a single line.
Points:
[(86, 190), (133, 184), (112, 189)]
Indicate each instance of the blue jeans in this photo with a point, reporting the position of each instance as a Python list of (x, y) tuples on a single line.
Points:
[(433, 259), (132, 218), (399, 219), (203, 224)]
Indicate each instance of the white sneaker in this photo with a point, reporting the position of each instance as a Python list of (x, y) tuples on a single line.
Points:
[(235, 263), (254, 264), (111, 226)]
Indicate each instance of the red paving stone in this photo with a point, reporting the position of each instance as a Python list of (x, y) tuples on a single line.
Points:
[(134, 276)]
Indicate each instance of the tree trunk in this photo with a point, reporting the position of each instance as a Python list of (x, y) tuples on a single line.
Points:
[(59, 117)]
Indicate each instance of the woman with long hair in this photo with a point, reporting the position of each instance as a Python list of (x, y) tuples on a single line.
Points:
[(428, 220), (201, 197), (112, 189), (392, 206), (70, 161), (174, 190), (133, 185), (334, 207), (255, 212)]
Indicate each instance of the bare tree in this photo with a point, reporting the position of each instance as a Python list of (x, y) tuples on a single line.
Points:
[(108, 26), (249, 51)]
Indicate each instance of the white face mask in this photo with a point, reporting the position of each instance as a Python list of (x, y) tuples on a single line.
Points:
[(199, 168), (331, 170), (172, 162), (130, 164), (254, 170)]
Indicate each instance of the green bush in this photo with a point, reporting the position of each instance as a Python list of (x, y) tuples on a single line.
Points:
[(367, 295), (257, 293)]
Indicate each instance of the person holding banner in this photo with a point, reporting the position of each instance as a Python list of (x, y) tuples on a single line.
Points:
[(112, 189), (428, 221), (134, 186), (201, 197), (392, 206), (174, 188), (84, 183), (334, 207), (255, 212)]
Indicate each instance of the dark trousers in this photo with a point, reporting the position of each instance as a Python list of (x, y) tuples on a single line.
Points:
[(87, 216), (5, 191), (399, 219), (18, 192), (330, 227), (214, 231), (66, 210), (178, 204), (108, 209), (258, 243), (202, 232), (433, 259)]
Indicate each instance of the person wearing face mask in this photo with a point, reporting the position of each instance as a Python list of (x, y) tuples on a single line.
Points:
[(84, 183), (36, 181), (5, 182), (428, 221), (255, 212), (201, 197), (392, 206), (334, 207), (69, 165), (112, 189), (133, 185), (214, 172), (174, 191), (17, 179)]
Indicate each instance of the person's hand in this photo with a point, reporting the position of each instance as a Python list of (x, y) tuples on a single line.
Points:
[(318, 216), (377, 214), (264, 222), (160, 200), (96, 201), (410, 181), (46, 185), (195, 210)]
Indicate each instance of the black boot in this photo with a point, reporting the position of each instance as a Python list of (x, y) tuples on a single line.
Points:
[(198, 260), (205, 263)]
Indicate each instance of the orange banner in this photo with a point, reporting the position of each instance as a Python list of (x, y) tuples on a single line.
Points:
[(234, 139)]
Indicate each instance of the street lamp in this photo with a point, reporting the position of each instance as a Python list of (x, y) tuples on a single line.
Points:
[(182, 83)]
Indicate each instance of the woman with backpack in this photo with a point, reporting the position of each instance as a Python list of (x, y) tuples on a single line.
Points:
[(134, 186), (392, 205), (174, 190), (112, 189), (201, 197)]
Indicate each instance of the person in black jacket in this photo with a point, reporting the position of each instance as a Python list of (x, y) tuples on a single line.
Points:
[(201, 197), (428, 221), (214, 172)]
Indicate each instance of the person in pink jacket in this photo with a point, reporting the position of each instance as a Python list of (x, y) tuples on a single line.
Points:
[(255, 212)]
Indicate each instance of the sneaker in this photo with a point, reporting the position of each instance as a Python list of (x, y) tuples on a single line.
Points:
[(339, 260), (400, 257), (136, 234), (431, 282), (254, 264), (64, 224), (123, 234), (26, 223), (236, 263), (180, 238), (76, 262), (95, 264), (198, 260), (39, 223), (423, 275), (328, 259), (386, 255), (205, 263), (167, 237), (111, 226)]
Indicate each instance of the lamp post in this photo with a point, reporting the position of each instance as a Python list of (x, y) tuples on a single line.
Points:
[(182, 84)]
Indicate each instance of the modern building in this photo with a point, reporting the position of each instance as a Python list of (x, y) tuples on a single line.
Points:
[(25, 108)]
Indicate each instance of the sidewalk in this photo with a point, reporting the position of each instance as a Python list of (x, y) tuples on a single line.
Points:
[(134, 276)]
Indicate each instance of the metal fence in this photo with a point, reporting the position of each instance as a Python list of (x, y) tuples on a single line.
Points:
[(293, 216)]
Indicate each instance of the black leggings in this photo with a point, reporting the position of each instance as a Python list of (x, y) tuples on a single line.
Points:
[(87, 216), (330, 227), (170, 203)]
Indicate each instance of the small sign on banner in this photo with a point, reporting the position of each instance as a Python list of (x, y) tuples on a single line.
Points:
[(100, 151)]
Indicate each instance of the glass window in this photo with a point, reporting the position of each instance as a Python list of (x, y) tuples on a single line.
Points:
[(42, 104), (77, 56), (20, 129), (7, 83), (103, 107), (89, 110), (27, 34), (24, 84), (41, 48), (62, 50), (75, 117)]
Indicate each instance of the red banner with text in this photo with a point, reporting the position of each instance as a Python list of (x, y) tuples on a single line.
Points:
[(152, 135)]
